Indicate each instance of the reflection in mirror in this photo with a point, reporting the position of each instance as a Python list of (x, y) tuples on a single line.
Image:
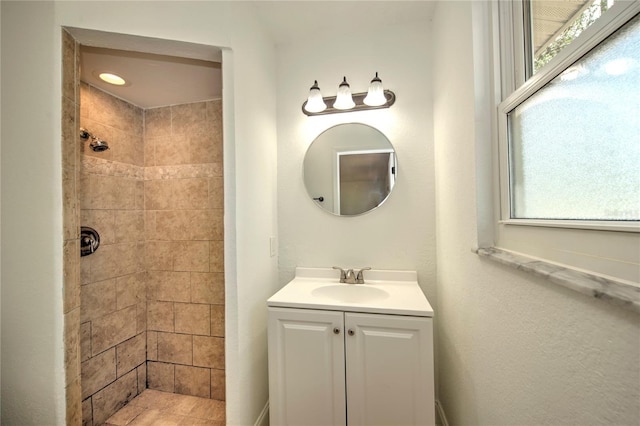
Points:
[(350, 169)]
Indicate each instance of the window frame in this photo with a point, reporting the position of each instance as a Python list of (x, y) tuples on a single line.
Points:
[(605, 253), (516, 90)]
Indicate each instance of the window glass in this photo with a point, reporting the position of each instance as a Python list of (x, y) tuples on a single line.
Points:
[(574, 145), (556, 23)]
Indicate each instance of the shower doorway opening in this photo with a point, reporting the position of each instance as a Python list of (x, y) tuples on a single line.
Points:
[(144, 308)]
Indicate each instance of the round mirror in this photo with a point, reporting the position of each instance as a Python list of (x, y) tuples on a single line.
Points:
[(350, 169)]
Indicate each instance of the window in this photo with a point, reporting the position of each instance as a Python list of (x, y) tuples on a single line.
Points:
[(574, 145), (569, 138)]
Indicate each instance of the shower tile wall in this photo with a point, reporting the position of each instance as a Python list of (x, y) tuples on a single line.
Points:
[(113, 303), (71, 234), (183, 203)]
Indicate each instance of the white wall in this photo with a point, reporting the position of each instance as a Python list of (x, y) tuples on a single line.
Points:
[(32, 345), (400, 234), (513, 348)]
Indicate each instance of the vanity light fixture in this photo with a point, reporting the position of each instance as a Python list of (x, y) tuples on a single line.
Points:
[(344, 101), (375, 96), (315, 103)]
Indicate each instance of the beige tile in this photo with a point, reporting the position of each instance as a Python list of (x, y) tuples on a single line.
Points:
[(87, 413), (131, 353), (157, 418), (179, 225), (109, 400), (71, 274), (202, 147), (142, 377), (218, 386), (141, 318), (98, 372), (98, 300), (183, 404), (149, 152), (68, 66), (194, 381), (193, 318), (188, 118), (72, 346), (130, 290), (152, 345), (216, 193), (217, 320), (209, 409), (69, 204), (125, 415), (107, 192), (216, 256), (208, 352), (191, 256), (70, 138), (102, 221), (191, 193), (207, 287), (151, 398), (176, 194), (109, 330), (175, 348), (157, 122), (214, 116), (85, 100), (116, 260), (73, 396), (150, 225), (129, 225), (169, 286), (157, 194), (160, 376), (172, 150), (159, 256), (160, 316), (112, 111), (85, 341), (139, 195), (85, 270)]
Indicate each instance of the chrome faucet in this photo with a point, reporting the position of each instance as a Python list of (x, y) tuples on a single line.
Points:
[(351, 277)]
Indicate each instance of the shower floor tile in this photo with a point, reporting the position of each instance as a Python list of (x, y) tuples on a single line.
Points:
[(158, 408)]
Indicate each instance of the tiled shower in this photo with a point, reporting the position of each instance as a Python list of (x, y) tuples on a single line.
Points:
[(146, 310)]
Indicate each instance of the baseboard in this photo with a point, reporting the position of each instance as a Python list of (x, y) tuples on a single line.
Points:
[(441, 419), (263, 418)]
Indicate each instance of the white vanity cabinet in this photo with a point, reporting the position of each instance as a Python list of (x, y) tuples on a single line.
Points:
[(329, 367)]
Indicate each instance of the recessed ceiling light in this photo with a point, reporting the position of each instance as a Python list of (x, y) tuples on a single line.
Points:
[(112, 78)]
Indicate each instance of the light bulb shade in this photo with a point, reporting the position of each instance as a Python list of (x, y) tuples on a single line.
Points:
[(315, 103), (343, 98), (375, 95)]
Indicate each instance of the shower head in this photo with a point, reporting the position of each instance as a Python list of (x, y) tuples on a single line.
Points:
[(96, 145)]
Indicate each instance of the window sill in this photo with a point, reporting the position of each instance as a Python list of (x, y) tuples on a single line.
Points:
[(619, 292)]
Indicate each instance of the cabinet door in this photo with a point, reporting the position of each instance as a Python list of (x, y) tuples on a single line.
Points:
[(306, 367), (389, 362)]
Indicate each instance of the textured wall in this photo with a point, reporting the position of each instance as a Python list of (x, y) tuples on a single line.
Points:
[(513, 348)]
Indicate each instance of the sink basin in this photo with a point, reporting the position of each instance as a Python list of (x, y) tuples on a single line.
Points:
[(350, 293)]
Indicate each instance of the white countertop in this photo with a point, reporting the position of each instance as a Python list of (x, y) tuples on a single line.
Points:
[(384, 292)]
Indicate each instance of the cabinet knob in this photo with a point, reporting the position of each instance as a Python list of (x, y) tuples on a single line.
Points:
[(351, 332), (336, 330)]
